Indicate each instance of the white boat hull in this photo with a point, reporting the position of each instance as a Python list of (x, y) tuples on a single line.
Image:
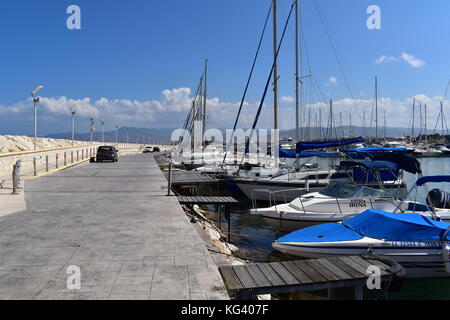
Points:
[(419, 262)]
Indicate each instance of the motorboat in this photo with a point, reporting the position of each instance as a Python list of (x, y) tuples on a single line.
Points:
[(419, 243), (336, 202), (414, 235), (341, 200)]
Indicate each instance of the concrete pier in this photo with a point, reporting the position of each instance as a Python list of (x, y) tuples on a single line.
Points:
[(113, 222)]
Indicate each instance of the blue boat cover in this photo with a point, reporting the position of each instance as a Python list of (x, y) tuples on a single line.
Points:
[(396, 226), (403, 161), (424, 180), (322, 233), (375, 149), (283, 153), (364, 171), (302, 146)]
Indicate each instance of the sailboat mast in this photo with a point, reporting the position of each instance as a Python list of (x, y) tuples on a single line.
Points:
[(275, 70), (364, 123), (413, 119), (442, 119), (205, 96), (297, 79), (376, 108)]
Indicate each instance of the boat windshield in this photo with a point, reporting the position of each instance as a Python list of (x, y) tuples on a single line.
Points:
[(338, 189)]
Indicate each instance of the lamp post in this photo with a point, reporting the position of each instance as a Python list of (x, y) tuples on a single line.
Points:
[(117, 127), (35, 102), (103, 131), (73, 112), (91, 118)]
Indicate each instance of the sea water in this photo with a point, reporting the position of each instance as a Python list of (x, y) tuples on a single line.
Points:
[(255, 236)]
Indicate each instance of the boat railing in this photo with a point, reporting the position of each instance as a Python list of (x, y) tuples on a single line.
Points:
[(341, 203)]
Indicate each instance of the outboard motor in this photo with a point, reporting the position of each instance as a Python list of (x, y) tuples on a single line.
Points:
[(446, 256), (438, 199)]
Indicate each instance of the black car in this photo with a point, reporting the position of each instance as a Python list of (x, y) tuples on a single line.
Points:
[(108, 153)]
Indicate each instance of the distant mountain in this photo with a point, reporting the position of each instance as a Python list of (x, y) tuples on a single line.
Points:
[(130, 134), (146, 135)]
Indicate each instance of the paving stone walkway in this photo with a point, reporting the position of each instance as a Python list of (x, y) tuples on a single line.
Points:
[(114, 222)]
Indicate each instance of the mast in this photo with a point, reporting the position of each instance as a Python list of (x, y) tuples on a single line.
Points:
[(341, 124), (351, 126), (376, 108), (426, 138), (331, 119), (442, 121), (364, 123), (275, 70), (320, 124), (204, 97), (413, 120), (297, 79)]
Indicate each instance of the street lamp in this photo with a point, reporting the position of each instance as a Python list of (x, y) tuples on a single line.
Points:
[(117, 127), (91, 118), (35, 102), (103, 132), (73, 112)]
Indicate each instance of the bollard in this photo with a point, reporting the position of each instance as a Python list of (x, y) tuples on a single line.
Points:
[(65, 159), (16, 177), (71, 156), (57, 161), (169, 181), (46, 163), (78, 155), (35, 166), (82, 154)]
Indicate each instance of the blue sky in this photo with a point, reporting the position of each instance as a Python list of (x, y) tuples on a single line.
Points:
[(128, 52)]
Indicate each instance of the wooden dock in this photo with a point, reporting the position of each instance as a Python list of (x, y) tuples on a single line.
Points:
[(207, 200), (188, 178), (248, 281)]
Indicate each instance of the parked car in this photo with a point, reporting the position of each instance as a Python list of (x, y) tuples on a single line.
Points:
[(156, 149), (108, 153), (148, 149)]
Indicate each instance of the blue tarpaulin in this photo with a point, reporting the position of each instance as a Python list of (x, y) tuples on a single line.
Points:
[(322, 233), (303, 146), (375, 149), (396, 226), (283, 153), (365, 170), (436, 179)]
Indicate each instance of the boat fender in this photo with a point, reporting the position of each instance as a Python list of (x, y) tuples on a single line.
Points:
[(446, 256)]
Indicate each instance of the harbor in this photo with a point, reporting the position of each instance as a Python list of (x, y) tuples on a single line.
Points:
[(225, 158)]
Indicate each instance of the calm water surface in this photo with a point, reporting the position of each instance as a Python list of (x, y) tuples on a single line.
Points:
[(255, 236)]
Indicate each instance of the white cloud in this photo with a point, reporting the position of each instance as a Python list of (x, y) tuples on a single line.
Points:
[(405, 57), (287, 99), (412, 60), (171, 109), (332, 80)]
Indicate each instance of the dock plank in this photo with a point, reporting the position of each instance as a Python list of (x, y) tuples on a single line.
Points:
[(231, 279), (330, 276), (270, 274), (348, 269), (341, 274), (301, 276), (258, 276), (284, 274), (310, 271), (245, 278)]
